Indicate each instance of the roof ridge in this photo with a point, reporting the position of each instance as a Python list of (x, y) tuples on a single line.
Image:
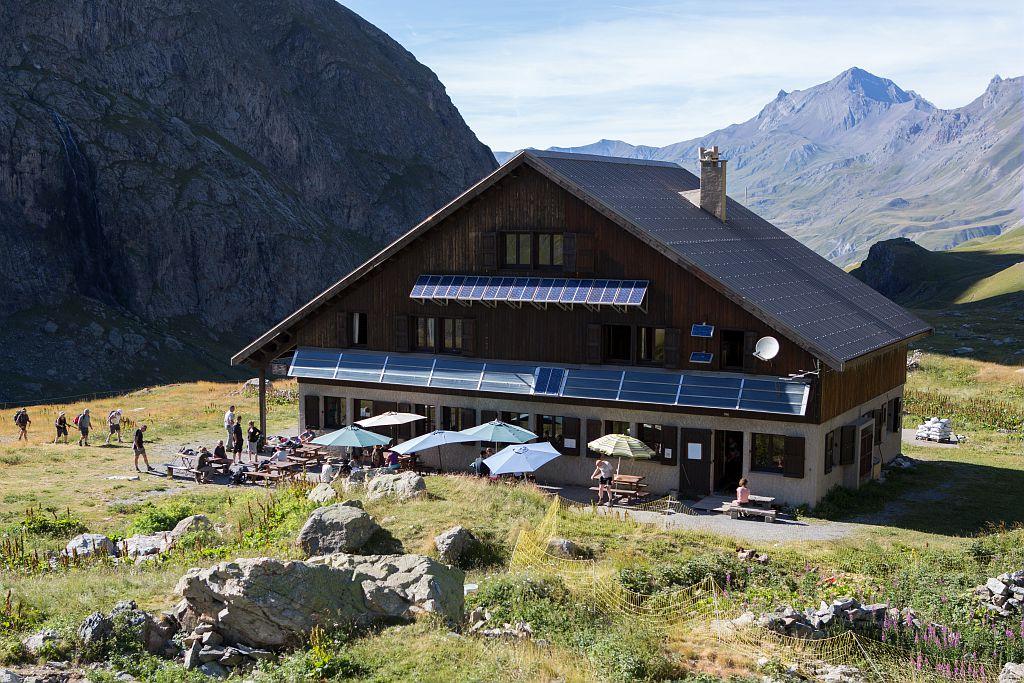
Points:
[(550, 154)]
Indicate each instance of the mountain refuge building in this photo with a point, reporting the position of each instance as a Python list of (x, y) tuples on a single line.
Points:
[(580, 295)]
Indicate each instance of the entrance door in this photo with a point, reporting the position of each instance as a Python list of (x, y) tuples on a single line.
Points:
[(728, 460), (312, 411), (695, 462), (867, 441)]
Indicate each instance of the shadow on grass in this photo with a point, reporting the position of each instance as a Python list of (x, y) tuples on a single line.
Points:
[(937, 497)]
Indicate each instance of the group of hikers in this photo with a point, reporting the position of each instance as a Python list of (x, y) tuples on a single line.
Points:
[(83, 423)]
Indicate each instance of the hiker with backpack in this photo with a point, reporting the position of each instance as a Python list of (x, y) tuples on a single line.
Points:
[(21, 419), (83, 423), (114, 422), (61, 425)]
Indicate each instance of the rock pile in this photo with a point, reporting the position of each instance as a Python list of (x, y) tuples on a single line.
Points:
[(269, 604), (479, 618), (154, 633), (1003, 594), (814, 624), (751, 555), (139, 548), (1012, 673), (563, 547)]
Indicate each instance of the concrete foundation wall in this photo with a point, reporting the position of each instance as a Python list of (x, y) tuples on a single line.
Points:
[(660, 478)]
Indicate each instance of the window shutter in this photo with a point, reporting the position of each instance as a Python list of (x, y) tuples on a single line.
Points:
[(593, 432), (593, 343), (584, 253), (829, 445), (793, 465), (848, 446), (571, 430), (401, 333), (469, 336), (749, 342), (673, 339), (489, 250), (468, 417), (342, 330), (896, 415), (670, 440), (569, 252)]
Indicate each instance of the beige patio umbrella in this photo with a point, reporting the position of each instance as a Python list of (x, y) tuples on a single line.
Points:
[(621, 446)]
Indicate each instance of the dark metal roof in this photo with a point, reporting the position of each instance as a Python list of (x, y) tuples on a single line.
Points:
[(835, 315)]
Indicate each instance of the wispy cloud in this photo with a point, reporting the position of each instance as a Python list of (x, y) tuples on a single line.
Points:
[(569, 73)]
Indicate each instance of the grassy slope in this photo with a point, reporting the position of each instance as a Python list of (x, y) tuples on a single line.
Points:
[(953, 496)]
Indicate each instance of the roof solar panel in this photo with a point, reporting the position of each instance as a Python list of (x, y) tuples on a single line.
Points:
[(569, 291), (581, 294), (705, 331), (417, 289), (442, 288), (611, 288), (543, 293), (637, 293), (504, 287), (518, 289), (730, 392), (491, 289), (701, 357), (530, 293)]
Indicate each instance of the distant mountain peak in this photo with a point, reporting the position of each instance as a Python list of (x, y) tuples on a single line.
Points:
[(868, 85)]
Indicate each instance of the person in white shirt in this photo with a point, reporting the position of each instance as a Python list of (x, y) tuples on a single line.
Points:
[(114, 423), (603, 472), (229, 422)]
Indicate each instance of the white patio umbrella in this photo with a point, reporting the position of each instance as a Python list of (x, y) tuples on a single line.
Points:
[(389, 419), (521, 458), (621, 446), (435, 439)]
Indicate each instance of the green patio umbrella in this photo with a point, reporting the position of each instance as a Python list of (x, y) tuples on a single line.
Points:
[(353, 436), (499, 432), (621, 446)]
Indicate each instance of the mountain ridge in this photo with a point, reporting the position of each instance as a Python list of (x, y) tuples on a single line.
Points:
[(856, 159)]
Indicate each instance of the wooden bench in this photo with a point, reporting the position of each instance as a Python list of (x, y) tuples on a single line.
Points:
[(265, 478), (737, 511), (627, 494), (188, 471)]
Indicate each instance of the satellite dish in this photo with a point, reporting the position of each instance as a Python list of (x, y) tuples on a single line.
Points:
[(766, 348)]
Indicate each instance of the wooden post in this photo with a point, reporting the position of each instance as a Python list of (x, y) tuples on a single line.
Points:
[(263, 401)]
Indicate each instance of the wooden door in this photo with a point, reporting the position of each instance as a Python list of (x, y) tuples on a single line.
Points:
[(312, 411), (695, 455)]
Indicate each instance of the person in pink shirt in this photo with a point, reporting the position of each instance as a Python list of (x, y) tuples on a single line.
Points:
[(742, 493)]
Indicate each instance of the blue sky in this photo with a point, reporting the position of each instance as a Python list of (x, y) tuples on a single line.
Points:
[(534, 73)]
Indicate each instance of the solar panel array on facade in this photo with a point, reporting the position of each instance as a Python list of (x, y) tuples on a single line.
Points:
[(697, 390), (538, 290)]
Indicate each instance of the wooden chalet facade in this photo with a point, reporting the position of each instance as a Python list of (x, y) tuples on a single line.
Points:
[(580, 295)]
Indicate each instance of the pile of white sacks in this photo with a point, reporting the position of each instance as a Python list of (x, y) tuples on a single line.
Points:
[(935, 429)]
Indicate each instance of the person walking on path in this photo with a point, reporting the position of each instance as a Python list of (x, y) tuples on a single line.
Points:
[(237, 440), (114, 422), (83, 422), (139, 448), (229, 423), (22, 419), (61, 425), (254, 435), (603, 473)]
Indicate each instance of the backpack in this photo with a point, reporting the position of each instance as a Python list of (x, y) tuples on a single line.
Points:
[(17, 417), (77, 418)]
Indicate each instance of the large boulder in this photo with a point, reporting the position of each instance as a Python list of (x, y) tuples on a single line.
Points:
[(8, 676), (270, 603), (87, 545), (191, 524), (144, 545), (322, 493), (336, 529), (454, 544), (1012, 673), (40, 640), (401, 486)]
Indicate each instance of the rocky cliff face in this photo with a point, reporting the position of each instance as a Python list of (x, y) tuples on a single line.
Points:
[(211, 161)]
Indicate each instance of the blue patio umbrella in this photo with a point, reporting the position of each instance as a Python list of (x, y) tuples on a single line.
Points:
[(525, 457), (435, 439), (353, 436), (499, 432)]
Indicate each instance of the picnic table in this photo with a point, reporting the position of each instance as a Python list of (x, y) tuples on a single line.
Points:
[(756, 506), (626, 486), (188, 464)]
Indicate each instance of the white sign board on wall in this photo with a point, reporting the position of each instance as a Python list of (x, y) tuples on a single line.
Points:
[(693, 451)]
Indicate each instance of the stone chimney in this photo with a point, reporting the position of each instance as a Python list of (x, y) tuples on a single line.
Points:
[(712, 182)]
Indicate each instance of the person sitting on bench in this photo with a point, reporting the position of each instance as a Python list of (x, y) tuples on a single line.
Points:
[(203, 467), (742, 493)]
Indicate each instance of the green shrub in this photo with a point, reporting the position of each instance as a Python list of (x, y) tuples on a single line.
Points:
[(726, 570), (153, 518), (50, 523)]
